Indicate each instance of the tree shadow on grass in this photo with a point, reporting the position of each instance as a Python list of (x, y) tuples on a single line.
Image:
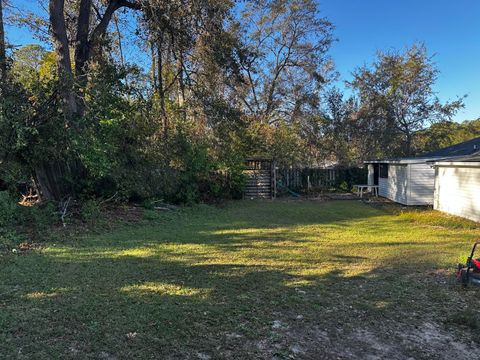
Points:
[(222, 290), (140, 306)]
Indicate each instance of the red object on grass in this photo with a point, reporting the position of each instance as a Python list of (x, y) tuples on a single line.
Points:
[(476, 264)]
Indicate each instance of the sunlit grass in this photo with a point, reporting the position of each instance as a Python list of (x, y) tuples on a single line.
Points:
[(181, 282), (163, 289), (38, 295), (436, 218)]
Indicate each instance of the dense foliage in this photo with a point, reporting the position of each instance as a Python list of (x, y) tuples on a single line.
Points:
[(212, 82)]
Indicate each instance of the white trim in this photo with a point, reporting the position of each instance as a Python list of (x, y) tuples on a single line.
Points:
[(474, 164), (419, 160), (401, 161)]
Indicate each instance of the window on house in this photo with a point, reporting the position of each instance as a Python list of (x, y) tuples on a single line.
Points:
[(383, 171)]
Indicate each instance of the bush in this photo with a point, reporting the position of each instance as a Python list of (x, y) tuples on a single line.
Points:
[(16, 220), (41, 216), (9, 218), (9, 210), (9, 238), (347, 177), (89, 210), (344, 186)]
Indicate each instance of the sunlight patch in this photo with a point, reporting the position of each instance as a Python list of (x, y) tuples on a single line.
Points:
[(254, 231), (76, 254), (381, 304), (40, 295), (138, 252), (163, 289), (298, 282)]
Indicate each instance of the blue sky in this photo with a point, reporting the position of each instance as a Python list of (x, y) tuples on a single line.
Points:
[(449, 28)]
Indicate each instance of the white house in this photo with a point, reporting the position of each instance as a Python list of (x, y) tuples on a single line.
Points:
[(457, 186), (411, 181)]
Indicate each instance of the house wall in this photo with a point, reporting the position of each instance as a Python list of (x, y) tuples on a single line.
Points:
[(421, 184), (395, 186), (457, 191)]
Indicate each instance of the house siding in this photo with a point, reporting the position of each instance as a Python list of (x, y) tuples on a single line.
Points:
[(421, 184), (395, 186), (457, 191), (383, 187)]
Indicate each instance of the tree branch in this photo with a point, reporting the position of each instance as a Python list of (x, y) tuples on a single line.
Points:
[(113, 5)]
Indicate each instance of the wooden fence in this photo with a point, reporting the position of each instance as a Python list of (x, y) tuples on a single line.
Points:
[(315, 179)]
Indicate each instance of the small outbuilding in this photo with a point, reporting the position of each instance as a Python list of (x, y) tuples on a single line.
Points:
[(457, 186), (411, 181)]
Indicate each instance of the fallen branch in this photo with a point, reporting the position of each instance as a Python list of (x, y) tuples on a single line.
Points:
[(64, 211), (109, 199)]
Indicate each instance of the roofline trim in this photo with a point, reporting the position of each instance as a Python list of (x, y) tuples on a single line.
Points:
[(415, 160), (470, 164)]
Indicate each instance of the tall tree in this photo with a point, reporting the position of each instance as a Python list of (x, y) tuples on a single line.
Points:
[(398, 89), (83, 33), (191, 47), (3, 58), (286, 64), (87, 40), (339, 134)]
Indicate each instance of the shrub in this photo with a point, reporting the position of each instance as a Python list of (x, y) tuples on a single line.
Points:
[(9, 218), (89, 210), (9, 210), (9, 238), (343, 186), (16, 220)]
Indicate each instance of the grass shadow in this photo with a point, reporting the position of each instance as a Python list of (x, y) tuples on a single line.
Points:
[(234, 283)]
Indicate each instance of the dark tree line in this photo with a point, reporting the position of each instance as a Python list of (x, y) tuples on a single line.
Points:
[(225, 80)]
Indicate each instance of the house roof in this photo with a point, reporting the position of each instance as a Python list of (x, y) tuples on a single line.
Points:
[(473, 158), (470, 161), (463, 149)]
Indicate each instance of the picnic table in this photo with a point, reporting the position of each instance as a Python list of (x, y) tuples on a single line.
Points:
[(364, 188)]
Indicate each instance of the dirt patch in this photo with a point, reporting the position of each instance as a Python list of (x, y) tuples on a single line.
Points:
[(335, 196), (320, 197), (388, 340), (129, 214)]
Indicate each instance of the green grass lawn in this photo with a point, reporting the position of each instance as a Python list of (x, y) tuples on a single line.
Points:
[(264, 280)]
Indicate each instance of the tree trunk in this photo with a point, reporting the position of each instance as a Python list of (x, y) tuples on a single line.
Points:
[(181, 80), (119, 37), (50, 179), (161, 89), (51, 176), (82, 48), (82, 52), (86, 43), (154, 67), (408, 144), (62, 49), (3, 58)]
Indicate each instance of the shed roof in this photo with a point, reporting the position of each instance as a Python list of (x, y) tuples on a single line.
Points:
[(463, 149)]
